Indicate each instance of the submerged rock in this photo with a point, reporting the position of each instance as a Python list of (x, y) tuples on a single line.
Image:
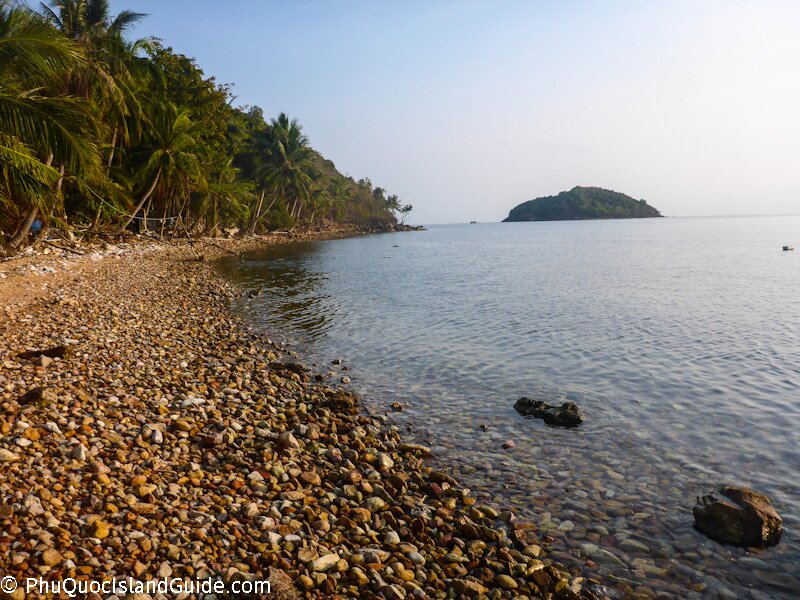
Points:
[(742, 518), (566, 415)]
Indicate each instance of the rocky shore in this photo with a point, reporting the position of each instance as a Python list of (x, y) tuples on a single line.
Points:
[(171, 441)]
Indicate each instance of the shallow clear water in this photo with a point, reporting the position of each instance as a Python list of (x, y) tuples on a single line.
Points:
[(678, 338)]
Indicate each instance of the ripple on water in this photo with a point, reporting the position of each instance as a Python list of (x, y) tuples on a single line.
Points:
[(677, 337)]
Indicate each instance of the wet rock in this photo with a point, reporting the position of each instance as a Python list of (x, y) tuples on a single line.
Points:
[(566, 415), (738, 516)]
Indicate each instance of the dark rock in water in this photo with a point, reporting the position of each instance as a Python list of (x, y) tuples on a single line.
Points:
[(566, 415), (342, 401), (741, 518)]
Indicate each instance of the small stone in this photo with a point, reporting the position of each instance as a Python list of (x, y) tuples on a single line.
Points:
[(164, 570), (100, 529), (310, 478), (358, 577), (286, 441), (505, 582), (250, 511), (566, 526), (469, 588), (324, 563), (509, 444), (31, 505), (51, 557), (393, 592), (7, 456), (385, 462), (391, 538), (374, 504), (78, 452)]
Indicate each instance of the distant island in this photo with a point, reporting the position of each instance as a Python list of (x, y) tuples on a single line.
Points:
[(582, 203)]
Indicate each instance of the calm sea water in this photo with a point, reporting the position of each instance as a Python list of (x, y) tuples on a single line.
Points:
[(678, 338)]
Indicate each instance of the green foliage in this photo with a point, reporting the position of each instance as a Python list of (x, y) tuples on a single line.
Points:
[(582, 203), (100, 131)]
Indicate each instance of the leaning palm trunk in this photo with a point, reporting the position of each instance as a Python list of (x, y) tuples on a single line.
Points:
[(266, 212), (23, 230), (113, 147), (141, 202), (258, 211)]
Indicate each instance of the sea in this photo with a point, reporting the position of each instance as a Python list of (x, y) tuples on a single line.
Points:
[(678, 338)]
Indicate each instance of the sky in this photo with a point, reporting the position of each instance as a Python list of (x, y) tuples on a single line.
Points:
[(467, 108)]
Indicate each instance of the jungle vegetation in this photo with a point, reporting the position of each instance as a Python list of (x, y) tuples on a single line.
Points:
[(101, 133)]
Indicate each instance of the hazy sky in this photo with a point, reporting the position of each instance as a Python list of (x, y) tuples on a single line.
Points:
[(467, 108)]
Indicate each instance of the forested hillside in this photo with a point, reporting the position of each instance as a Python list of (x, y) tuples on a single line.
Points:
[(100, 133)]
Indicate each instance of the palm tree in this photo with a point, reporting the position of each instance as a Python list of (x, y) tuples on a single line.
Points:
[(170, 165), (227, 194), (288, 169), (117, 69), (36, 129)]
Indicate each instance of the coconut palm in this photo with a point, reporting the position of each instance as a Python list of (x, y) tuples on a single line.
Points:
[(36, 129), (288, 169), (117, 69), (170, 163)]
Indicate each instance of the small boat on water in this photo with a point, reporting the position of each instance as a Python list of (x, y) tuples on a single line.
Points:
[(788, 248)]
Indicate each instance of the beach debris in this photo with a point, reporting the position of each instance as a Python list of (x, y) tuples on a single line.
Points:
[(738, 516), (566, 415), (57, 352)]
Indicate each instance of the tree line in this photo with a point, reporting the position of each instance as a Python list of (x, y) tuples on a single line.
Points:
[(102, 133)]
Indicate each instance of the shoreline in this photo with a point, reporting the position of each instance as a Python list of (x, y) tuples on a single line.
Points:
[(172, 439)]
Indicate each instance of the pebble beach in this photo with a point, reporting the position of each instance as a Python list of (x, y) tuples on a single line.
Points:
[(167, 439)]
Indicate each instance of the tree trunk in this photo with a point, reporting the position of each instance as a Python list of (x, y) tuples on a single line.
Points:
[(258, 211), (113, 146), (141, 202), (26, 225), (266, 212), (23, 230)]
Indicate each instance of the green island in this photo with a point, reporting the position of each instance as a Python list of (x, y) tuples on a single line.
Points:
[(582, 203)]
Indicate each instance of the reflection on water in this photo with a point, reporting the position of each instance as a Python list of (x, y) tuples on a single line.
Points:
[(677, 337)]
